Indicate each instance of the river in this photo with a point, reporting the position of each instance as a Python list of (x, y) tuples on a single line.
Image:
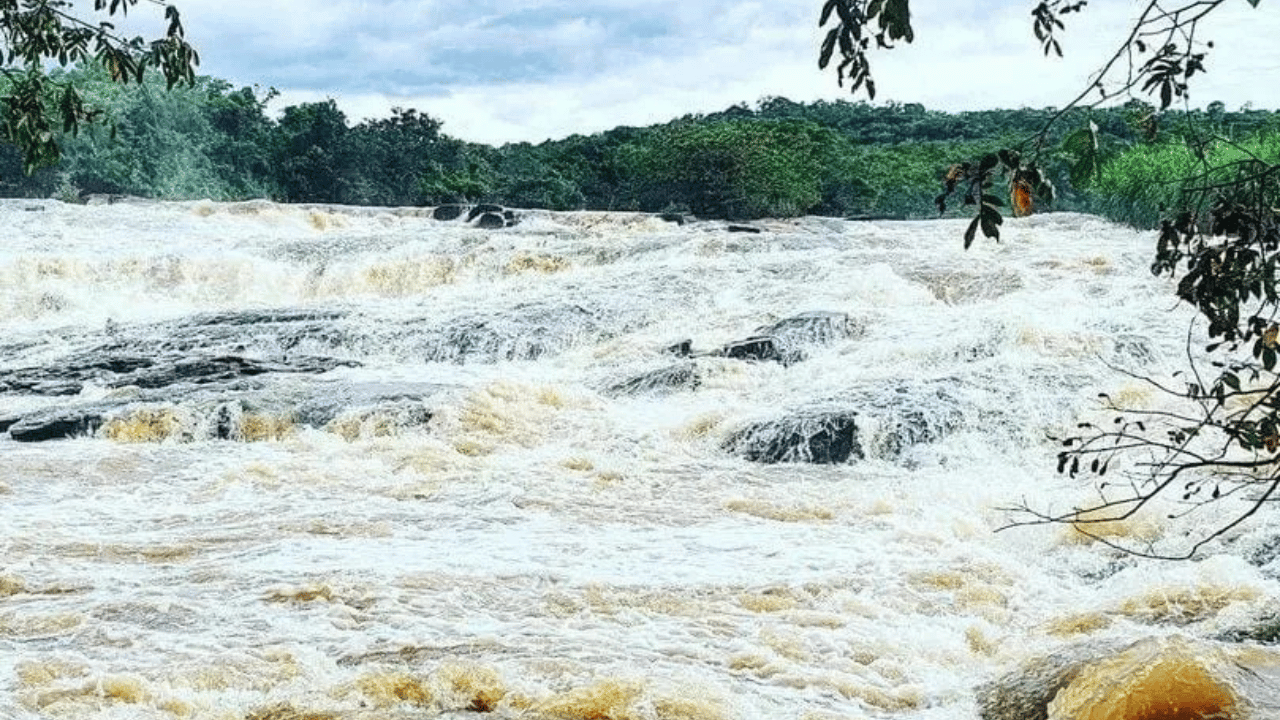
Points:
[(325, 462)]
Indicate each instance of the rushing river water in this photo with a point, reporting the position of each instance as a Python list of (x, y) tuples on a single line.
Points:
[(317, 462)]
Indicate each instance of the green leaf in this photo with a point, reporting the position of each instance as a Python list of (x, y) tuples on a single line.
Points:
[(826, 12), (971, 233), (828, 46)]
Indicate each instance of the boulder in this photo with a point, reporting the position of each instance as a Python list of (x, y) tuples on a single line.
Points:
[(491, 221), (1160, 678), (447, 212), (823, 438), (673, 217), (745, 229)]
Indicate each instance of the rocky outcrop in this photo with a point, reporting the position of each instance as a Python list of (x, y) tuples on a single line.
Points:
[(58, 424), (823, 438)]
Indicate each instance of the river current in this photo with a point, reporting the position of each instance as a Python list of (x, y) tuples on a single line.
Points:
[(323, 462)]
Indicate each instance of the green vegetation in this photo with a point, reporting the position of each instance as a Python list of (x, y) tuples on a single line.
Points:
[(207, 139)]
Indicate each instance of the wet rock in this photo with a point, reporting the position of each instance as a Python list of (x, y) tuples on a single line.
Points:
[(662, 381), (483, 208), (511, 217), (329, 403), (813, 329), (826, 438), (683, 349), (744, 229), (911, 416), (206, 370), (1025, 693), (673, 217), (760, 349), (1162, 677), (526, 332), (491, 221), (447, 212), (55, 425), (787, 341)]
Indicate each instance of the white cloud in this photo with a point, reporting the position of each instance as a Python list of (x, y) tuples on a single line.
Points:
[(508, 70)]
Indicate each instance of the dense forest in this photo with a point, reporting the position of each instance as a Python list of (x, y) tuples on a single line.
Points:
[(777, 158)]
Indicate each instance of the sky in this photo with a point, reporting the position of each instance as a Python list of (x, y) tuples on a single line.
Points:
[(498, 71)]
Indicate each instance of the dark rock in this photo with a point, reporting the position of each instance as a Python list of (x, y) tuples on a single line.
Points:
[(491, 221), (662, 381), (447, 212), (825, 438), (55, 425), (744, 229), (478, 210), (683, 349), (787, 340), (753, 348), (675, 217)]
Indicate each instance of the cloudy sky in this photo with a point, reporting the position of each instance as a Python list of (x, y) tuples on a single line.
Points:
[(527, 70)]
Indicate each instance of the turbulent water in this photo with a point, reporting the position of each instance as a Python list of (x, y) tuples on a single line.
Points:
[(320, 462)]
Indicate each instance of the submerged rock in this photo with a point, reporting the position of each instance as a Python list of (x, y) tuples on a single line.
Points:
[(826, 438), (662, 381), (789, 340), (1162, 678), (526, 332)]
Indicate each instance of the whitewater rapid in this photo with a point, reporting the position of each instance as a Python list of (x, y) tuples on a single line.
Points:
[(443, 483)]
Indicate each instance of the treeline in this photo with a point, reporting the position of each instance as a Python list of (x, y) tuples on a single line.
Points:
[(777, 158)]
